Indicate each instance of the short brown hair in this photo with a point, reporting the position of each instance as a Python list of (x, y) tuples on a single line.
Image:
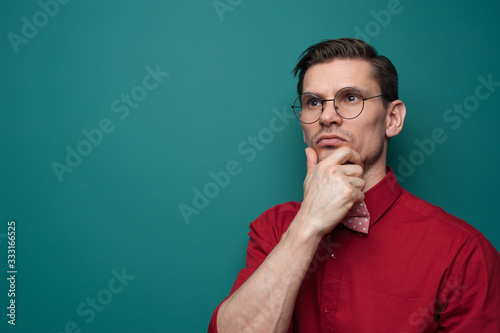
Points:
[(384, 72)]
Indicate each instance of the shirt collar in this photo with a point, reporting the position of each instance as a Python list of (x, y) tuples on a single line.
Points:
[(382, 196)]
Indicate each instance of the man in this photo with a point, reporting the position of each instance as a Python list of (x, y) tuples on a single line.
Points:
[(329, 265)]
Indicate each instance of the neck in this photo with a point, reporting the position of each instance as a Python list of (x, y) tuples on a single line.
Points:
[(373, 176), (375, 168), (374, 172)]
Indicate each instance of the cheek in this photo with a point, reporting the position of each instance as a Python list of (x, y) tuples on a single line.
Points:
[(371, 136), (308, 133)]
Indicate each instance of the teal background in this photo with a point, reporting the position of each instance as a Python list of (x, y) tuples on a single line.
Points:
[(119, 208)]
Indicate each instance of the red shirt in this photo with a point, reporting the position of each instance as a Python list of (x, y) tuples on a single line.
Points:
[(419, 269)]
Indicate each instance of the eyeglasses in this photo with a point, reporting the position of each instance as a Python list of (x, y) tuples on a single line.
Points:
[(348, 103)]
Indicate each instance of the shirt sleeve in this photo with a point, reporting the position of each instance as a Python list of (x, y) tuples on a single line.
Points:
[(470, 297), (264, 236)]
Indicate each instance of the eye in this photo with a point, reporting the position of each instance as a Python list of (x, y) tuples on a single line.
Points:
[(351, 98), (311, 101), (314, 103)]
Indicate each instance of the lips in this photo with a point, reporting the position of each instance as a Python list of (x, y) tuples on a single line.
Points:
[(329, 140)]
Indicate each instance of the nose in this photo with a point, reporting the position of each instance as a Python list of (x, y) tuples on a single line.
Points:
[(329, 116)]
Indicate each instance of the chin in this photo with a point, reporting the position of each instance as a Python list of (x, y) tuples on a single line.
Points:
[(324, 153)]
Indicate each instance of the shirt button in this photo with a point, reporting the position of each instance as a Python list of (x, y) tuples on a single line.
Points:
[(328, 309), (334, 255)]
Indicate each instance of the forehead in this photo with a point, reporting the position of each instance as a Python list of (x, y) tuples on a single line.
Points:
[(331, 76)]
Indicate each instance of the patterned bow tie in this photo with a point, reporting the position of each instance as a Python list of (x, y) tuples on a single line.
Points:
[(358, 218)]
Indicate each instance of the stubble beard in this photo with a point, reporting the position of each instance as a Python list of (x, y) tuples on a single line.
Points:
[(369, 161)]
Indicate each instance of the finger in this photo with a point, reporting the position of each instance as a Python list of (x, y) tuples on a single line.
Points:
[(355, 158), (352, 170), (344, 155), (312, 159), (357, 182)]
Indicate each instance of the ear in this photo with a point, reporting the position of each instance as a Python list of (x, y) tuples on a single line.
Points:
[(396, 113)]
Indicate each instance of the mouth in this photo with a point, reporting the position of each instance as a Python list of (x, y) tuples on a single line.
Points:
[(330, 140)]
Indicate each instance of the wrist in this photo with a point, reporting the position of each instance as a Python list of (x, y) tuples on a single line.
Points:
[(304, 231)]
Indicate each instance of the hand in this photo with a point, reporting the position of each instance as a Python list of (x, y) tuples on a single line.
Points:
[(331, 188)]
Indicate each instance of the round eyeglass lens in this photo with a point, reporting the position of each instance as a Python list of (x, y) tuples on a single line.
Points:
[(349, 103), (307, 108)]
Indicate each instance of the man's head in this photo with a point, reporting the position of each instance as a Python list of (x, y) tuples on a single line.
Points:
[(329, 66), (383, 71)]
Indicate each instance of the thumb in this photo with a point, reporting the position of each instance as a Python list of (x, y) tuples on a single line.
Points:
[(312, 159)]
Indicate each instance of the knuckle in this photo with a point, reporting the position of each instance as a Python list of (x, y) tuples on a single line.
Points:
[(345, 190), (332, 169), (350, 191)]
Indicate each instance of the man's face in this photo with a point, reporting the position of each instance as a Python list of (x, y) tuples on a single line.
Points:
[(366, 133)]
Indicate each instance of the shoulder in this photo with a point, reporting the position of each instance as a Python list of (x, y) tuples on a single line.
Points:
[(419, 211), (445, 236), (283, 211), (277, 218), (436, 239)]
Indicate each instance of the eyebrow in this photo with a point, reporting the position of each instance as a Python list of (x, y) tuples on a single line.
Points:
[(361, 90)]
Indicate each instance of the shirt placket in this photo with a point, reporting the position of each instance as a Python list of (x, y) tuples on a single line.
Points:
[(330, 285)]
